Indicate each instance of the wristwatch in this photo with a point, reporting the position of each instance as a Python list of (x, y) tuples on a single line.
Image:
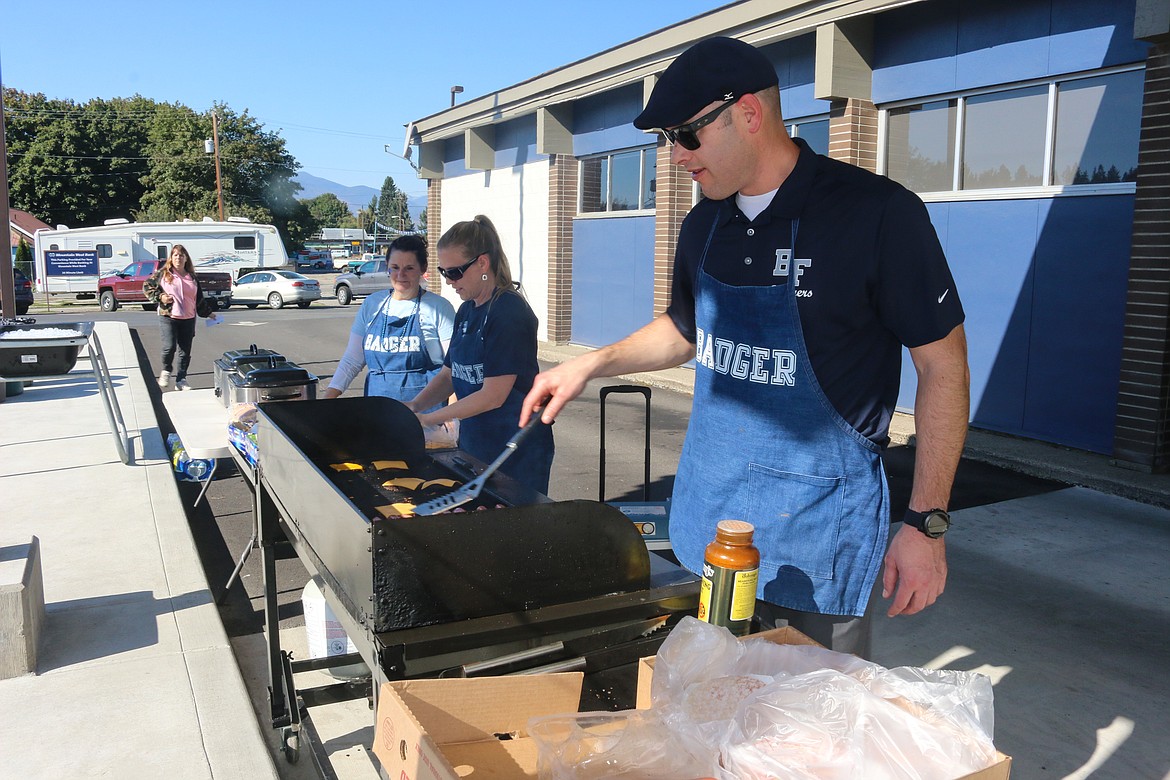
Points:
[(933, 523)]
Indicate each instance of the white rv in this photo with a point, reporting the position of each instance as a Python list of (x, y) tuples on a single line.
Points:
[(70, 261)]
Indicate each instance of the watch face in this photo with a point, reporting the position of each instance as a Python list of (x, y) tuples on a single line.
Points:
[(936, 524)]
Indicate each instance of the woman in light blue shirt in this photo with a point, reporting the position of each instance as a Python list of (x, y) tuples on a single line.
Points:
[(401, 334)]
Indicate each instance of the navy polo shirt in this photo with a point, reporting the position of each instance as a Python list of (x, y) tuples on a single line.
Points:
[(870, 276)]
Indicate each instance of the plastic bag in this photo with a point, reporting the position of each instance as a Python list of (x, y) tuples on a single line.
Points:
[(442, 436), (738, 710), (632, 745), (815, 713)]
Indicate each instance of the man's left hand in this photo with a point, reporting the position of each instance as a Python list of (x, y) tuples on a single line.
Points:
[(915, 571)]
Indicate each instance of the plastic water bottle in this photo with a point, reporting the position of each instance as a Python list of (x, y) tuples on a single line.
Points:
[(188, 468)]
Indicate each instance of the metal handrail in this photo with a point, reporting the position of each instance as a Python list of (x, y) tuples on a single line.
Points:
[(105, 385)]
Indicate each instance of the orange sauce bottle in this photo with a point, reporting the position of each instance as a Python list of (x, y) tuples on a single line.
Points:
[(731, 569)]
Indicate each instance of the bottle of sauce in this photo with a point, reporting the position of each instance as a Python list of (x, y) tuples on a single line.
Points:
[(731, 568)]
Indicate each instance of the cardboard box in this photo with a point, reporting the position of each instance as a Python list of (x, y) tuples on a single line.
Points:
[(475, 729), (452, 729)]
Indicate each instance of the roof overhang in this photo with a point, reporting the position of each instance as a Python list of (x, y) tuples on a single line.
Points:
[(759, 22)]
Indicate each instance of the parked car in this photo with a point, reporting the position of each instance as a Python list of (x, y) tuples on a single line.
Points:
[(24, 293), (369, 277), (314, 259), (276, 288), (125, 286)]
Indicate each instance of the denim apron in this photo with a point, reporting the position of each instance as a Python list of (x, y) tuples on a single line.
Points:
[(396, 355), (765, 445), (485, 435)]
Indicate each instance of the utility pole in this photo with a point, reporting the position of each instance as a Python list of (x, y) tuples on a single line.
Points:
[(7, 278), (215, 139)]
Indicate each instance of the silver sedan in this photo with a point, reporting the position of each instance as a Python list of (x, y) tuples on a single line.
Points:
[(275, 288)]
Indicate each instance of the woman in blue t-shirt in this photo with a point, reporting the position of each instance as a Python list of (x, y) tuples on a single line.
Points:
[(492, 359), (400, 334)]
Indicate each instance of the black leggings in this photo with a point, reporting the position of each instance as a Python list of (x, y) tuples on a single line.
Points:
[(177, 333)]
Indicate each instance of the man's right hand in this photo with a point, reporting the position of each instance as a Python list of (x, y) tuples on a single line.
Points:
[(654, 346)]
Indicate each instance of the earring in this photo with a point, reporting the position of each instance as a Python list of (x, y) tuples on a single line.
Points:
[(484, 277)]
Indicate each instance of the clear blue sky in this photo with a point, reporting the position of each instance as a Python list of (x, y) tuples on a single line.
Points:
[(336, 80)]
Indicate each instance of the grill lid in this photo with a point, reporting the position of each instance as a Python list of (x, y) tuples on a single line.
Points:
[(276, 374), (253, 354)]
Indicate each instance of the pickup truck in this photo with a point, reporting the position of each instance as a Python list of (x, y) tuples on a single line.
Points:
[(367, 278), (125, 286)]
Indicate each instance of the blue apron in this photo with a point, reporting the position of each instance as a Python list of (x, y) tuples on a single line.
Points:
[(765, 445), (396, 355), (485, 435)]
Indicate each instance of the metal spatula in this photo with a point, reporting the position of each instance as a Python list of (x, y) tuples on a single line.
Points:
[(471, 490)]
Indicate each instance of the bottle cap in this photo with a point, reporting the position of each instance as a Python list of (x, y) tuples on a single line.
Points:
[(735, 530)]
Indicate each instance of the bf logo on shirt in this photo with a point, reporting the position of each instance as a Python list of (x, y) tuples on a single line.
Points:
[(784, 264)]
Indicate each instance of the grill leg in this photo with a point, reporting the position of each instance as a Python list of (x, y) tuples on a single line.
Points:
[(266, 522)]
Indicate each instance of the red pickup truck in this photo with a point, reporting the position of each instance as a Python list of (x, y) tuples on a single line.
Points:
[(125, 286)]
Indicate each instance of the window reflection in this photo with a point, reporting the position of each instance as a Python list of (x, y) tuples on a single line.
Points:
[(623, 181), (594, 184), (1003, 139), (649, 176), (815, 134), (625, 178), (1097, 126), (921, 148)]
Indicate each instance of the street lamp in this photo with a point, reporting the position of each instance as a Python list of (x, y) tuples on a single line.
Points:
[(455, 90)]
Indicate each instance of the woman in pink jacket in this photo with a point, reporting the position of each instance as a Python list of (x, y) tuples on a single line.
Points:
[(176, 291)]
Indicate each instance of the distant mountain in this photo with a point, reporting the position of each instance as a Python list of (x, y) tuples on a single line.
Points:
[(356, 198)]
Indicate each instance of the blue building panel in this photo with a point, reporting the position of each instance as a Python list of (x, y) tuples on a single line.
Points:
[(1043, 283), (604, 123), (1001, 41), (613, 278), (795, 62), (955, 45), (1081, 275), (454, 157), (516, 142)]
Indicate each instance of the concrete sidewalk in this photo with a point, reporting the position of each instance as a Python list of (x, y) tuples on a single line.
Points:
[(135, 677)]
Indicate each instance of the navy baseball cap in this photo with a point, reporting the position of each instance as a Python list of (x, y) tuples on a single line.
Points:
[(713, 69)]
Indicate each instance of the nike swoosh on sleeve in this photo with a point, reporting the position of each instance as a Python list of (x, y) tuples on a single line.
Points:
[(944, 295)]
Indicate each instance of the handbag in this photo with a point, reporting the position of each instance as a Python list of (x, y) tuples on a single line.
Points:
[(203, 306)]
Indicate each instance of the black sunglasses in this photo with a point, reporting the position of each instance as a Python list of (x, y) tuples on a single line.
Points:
[(456, 273), (687, 135)]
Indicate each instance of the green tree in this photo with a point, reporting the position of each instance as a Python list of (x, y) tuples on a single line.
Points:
[(422, 222), (24, 258), (75, 164), (255, 171), (366, 216), (328, 209), (392, 209)]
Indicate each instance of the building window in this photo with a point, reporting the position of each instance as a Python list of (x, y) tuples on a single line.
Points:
[(1097, 129), (814, 132), (1058, 133), (921, 149), (649, 178), (623, 181), (244, 242)]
